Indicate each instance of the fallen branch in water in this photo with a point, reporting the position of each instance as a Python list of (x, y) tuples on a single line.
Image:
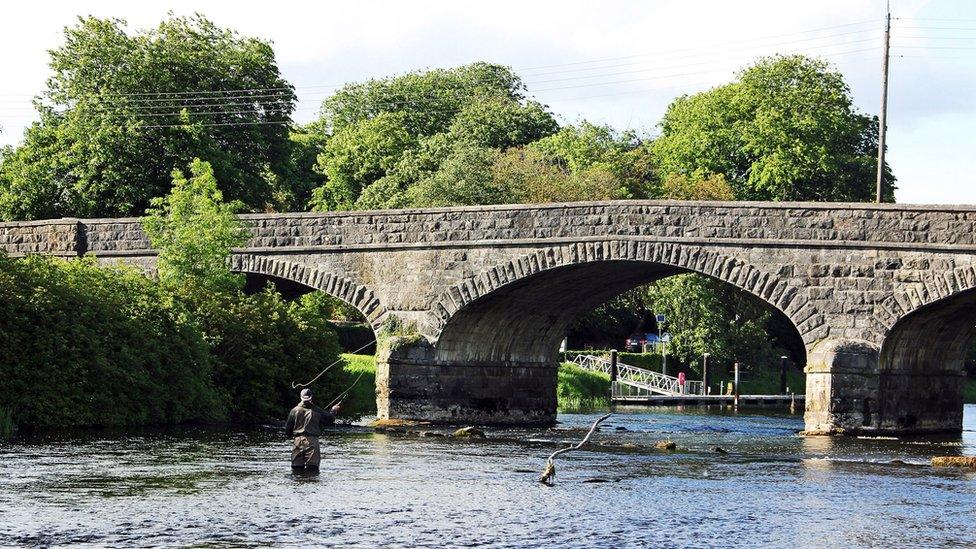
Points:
[(550, 472)]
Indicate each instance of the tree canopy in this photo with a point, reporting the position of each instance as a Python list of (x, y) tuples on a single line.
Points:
[(786, 129), (122, 109), (398, 132)]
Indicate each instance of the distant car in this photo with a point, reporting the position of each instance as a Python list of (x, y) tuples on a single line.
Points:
[(636, 342)]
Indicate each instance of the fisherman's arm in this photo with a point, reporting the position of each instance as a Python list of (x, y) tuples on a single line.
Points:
[(290, 425), (329, 416)]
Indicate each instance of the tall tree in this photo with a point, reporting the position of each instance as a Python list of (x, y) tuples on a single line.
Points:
[(393, 133), (121, 109), (786, 129)]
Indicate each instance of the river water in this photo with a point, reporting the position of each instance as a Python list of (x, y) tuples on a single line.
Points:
[(206, 488)]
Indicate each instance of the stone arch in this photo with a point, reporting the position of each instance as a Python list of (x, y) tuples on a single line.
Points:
[(632, 263), (933, 288), (353, 293), (922, 356)]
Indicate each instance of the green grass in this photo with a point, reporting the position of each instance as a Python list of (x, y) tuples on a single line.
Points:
[(362, 399), (580, 389)]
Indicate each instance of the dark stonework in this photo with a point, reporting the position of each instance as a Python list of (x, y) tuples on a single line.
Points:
[(879, 294)]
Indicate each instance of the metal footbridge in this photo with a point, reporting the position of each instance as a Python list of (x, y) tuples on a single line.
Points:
[(639, 382)]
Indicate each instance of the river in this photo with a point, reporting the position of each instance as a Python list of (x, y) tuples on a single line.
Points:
[(209, 488)]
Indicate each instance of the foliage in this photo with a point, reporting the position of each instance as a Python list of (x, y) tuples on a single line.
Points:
[(612, 322), (114, 120), (532, 178), (648, 361), (426, 129), (705, 315), (90, 346), (261, 344), (357, 155), (785, 130), (969, 392), (6, 424), (696, 186), (193, 231), (294, 184), (587, 148), (83, 346)]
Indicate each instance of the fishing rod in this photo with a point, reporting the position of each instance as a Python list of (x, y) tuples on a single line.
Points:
[(327, 368)]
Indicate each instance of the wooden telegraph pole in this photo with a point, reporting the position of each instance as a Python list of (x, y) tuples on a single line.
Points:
[(882, 119)]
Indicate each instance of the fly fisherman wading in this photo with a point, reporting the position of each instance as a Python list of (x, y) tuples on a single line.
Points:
[(304, 425)]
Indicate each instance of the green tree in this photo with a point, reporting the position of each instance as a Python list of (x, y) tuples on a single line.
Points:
[(786, 129), (706, 315), (697, 186), (385, 136), (534, 178), (357, 155), (193, 231), (121, 109), (592, 148)]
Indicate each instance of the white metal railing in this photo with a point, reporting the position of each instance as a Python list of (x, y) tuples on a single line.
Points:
[(638, 381)]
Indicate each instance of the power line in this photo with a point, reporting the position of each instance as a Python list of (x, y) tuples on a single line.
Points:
[(711, 47), (706, 52), (177, 110), (684, 64)]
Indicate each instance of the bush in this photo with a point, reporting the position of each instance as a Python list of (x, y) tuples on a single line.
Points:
[(87, 346), (261, 345)]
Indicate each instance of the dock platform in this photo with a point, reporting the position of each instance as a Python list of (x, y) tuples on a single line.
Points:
[(703, 400)]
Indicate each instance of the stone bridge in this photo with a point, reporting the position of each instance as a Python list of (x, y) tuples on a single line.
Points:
[(880, 295)]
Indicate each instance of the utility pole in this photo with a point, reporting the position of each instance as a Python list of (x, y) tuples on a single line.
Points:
[(882, 119)]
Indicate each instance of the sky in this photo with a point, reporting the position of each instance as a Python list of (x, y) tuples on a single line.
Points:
[(615, 62)]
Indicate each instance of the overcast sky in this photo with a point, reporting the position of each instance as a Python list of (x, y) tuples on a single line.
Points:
[(614, 62)]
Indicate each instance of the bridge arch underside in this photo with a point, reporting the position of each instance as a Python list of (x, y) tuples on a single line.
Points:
[(495, 358), (921, 368), (524, 321), (293, 280)]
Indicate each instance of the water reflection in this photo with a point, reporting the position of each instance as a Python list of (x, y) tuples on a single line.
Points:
[(769, 487)]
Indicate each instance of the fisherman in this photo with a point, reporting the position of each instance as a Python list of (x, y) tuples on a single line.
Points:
[(304, 425)]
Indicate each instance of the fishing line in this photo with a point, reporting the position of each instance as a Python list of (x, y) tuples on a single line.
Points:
[(340, 359)]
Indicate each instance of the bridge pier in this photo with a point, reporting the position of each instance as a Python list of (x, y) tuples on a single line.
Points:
[(412, 384), (849, 392)]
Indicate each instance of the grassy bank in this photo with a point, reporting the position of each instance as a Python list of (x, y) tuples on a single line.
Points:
[(362, 398), (578, 389), (969, 392)]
